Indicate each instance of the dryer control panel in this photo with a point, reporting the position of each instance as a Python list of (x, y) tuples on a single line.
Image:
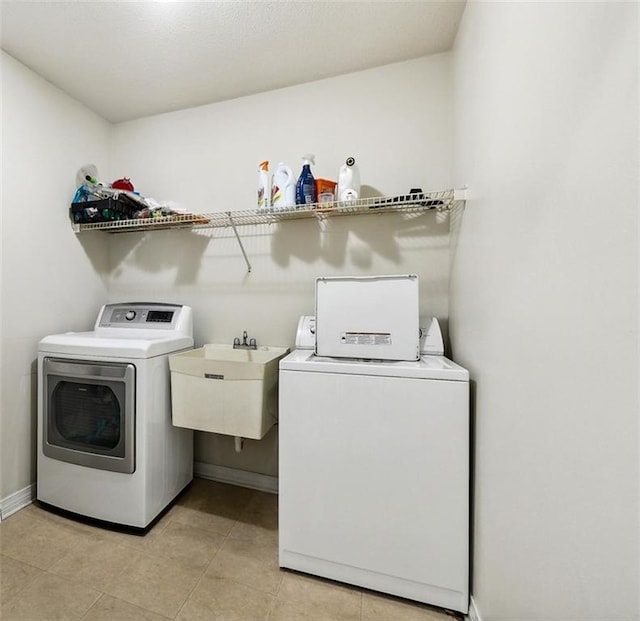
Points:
[(144, 316)]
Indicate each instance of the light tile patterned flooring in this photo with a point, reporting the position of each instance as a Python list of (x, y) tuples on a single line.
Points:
[(212, 557)]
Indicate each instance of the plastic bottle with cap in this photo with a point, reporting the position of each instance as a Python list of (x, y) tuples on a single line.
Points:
[(283, 188), (264, 186), (306, 185), (348, 181)]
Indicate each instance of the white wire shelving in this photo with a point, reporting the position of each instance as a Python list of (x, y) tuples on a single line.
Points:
[(441, 201), (410, 203)]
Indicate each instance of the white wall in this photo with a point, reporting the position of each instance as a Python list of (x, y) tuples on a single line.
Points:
[(52, 281), (397, 122), (544, 304)]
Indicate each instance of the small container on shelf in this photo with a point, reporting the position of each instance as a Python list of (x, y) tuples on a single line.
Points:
[(325, 190), (104, 210)]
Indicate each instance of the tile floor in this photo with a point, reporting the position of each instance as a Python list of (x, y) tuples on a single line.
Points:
[(213, 556)]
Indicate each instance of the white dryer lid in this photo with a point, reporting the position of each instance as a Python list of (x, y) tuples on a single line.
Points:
[(122, 346), (428, 367)]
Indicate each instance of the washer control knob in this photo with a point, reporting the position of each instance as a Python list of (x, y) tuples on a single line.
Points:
[(130, 315)]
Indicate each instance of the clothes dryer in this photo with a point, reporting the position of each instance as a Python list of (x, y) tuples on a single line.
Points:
[(106, 447)]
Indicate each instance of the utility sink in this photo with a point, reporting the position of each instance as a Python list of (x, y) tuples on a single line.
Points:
[(220, 389)]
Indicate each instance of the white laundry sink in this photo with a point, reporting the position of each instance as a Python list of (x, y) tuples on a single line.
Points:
[(220, 389)]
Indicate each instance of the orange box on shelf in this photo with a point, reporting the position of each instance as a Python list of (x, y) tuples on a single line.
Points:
[(325, 190)]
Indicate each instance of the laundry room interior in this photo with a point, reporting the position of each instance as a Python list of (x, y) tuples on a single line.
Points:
[(530, 114)]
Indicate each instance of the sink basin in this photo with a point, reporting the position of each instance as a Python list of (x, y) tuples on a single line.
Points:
[(219, 389)]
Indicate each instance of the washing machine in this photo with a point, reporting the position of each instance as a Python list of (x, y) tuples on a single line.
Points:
[(374, 452), (106, 447)]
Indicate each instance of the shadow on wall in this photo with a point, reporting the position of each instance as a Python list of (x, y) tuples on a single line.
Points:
[(355, 239), (455, 226), (157, 251), (337, 241), (94, 244)]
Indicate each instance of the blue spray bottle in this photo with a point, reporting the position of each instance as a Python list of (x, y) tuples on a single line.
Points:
[(306, 186)]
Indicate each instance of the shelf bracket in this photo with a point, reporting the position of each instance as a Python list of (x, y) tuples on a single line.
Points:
[(244, 254)]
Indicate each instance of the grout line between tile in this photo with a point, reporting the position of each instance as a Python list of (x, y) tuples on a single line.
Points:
[(25, 585), (204, 571)]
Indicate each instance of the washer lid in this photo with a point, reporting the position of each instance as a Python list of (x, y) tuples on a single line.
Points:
[(122, 346), (428, 367), (368, 317)]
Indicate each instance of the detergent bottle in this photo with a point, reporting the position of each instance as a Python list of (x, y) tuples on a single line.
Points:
[(264, 186), (283, 188), (348, 181), (306, 186)]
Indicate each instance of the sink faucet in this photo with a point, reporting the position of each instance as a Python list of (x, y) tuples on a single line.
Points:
[(244, 345)]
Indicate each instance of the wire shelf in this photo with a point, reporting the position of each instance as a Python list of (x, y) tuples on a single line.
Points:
[(410, 203)]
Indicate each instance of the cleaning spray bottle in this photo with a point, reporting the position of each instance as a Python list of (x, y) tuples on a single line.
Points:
[(264, 186), (283, 188), (349, 181), (306, 186)]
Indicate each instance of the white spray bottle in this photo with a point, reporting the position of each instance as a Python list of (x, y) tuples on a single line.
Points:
[(283, 188), (348, 181)]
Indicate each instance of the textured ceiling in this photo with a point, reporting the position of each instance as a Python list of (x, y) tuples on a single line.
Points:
[(126, 60)]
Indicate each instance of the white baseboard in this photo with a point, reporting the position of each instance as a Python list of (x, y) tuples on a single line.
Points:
[(474, 613), (16, 501), (252, 480)]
